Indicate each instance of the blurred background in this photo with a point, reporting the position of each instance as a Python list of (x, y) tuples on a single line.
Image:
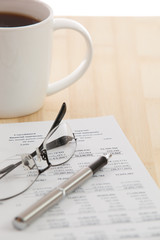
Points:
[(105, 7)]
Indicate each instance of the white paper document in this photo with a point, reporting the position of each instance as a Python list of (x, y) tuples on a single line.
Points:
[(121, 201)]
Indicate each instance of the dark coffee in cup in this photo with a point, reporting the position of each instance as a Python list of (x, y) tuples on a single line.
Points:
[(8, 19)]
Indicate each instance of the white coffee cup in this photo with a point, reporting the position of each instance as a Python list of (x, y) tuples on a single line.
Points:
[(25, 58)]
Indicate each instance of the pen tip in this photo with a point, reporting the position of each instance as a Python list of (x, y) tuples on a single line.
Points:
[(109, 155)]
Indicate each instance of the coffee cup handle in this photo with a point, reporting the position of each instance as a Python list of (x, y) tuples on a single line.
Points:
[(61, 23)]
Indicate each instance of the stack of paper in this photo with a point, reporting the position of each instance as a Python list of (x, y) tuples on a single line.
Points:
[(121, 201)]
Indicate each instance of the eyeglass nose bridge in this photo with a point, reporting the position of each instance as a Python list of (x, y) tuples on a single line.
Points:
[(29, 162), (42, 154)]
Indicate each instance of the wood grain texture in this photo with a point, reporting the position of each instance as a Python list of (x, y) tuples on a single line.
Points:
[(123, 80)]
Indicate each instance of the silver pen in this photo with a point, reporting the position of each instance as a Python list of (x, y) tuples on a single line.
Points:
[(33, 212)]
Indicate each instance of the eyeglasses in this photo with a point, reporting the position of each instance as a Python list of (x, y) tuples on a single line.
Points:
[(19, 172)]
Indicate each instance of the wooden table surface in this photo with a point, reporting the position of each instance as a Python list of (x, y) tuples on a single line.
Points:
[(123, 80)]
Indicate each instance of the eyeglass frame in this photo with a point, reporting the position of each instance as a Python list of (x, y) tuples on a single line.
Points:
[(41, 151)]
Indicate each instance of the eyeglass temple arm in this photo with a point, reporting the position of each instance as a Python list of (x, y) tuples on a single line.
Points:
[(59, 117), (59, 142), (57, 121)]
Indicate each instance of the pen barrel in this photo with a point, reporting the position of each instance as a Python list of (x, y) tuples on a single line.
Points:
[(53, 197), (75, 181), (38, 208)]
